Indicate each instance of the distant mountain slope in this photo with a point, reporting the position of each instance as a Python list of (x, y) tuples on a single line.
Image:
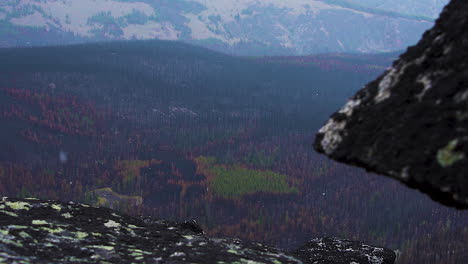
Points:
[(246, 27), (427, 8)]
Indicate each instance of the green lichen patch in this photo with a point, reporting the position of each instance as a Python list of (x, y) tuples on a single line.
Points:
[(448, 156), (9, 239), (52, 230), (108, 248), (112, 224), (106, 197), (39, 222), (24, 235), (81, 235), (136, 253), (9, 213), (56, 207), (17, 227), (245, 261), (130, 231), (116, 215), (67, 215), (98, 235), (18, 205), (235, 252), (12, 242)]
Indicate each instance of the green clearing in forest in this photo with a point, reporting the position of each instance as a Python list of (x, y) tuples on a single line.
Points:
[(232, 182)]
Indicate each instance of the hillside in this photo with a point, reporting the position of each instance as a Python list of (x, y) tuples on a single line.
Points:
[(167, 129), (430, 8), (240, 27)]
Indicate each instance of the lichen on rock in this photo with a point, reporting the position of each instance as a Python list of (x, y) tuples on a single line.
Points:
[(336, 250), (448, 156), (412, 122), (101, 235)]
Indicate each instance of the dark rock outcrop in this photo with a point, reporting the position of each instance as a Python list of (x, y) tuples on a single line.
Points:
[(340, 251), (412, 122), (35, 231)]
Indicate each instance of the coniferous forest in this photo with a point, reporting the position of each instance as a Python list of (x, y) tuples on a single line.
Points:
[(180, 132)]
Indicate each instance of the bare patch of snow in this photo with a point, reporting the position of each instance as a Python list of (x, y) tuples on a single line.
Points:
[(229, 10), (182, 110), (201, 31), (77, 13), (151, 30), (325, 31), (284, 38), (33, 20), (341, 44)]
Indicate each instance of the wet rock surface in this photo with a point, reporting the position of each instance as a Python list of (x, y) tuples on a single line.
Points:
[(341, 251), (412, 122), (36, 231)]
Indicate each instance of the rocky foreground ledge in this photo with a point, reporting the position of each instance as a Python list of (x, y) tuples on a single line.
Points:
[(37, 231), (412, 122)]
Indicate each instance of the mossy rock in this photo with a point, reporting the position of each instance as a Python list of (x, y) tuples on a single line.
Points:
[(39, 231)]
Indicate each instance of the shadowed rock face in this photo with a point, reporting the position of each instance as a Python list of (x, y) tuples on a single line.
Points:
[(412, 122), (35, 231)]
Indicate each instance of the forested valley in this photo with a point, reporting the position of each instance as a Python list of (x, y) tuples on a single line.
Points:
[(180, 132)]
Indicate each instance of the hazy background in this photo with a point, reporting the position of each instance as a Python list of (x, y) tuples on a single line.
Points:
[(243, 27)]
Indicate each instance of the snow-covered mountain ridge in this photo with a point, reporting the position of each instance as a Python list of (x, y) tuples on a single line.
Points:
[(246, 27)]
